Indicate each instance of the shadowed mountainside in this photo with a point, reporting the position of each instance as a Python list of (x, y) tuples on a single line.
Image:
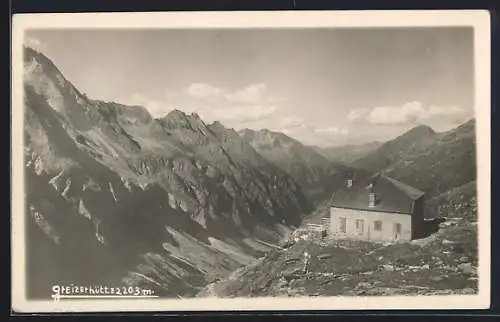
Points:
[(433, 162), (311, 170), (116, 196)]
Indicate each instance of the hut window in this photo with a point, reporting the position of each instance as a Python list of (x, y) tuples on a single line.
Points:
[(359, 226), (343, 224)]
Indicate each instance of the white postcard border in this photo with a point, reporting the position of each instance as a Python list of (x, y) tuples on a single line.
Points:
[(478, 19)]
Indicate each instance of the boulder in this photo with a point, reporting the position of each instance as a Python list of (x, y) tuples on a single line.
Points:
[(466, 268), (388, 268), (436, 278), (468, 290), (463, 259)]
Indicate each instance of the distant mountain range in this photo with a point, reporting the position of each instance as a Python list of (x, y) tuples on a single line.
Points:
[(114, 195), (347, 154), (433, 162), (311, 170)]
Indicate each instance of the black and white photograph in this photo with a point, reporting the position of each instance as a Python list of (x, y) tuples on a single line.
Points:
[(264, 161)]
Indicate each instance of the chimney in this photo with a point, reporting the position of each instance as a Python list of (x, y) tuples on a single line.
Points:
[(371, 199), (349, 183), (371, 194)]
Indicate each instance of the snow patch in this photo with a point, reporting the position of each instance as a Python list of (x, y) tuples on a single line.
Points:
[(44, 225), (55, 180), (91, 184), (143, 185), (183, 205), (38, 166), (171, 201), (43, 85), (98, 231), (230, 250), (66, 188), (98, 137), (82, 210), (126, 184), (112, 191), (202, 256), (201, 218)]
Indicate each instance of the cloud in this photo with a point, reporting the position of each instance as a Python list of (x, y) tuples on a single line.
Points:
[(235, 107), (298, 132), (357, 114), (36, 44), (249, 95), (299, 129), (252, 94), (242, 113), (202, 90), (445, 111), (325, 136), (291, 122), (333, 130), (405, 114), (240, 108), (289, 125), (408, 113), (155, 108)]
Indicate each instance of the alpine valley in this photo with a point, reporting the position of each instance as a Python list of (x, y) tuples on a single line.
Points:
[(173, 204)]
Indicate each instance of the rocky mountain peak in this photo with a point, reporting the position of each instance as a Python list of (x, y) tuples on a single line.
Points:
[(247, 134), (419, 132), (177, 119), (37, 65), (174, 115), (217, 126), (134, 113), (470, 125)]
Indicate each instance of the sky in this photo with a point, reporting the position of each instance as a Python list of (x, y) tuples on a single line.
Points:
[(323, 87)]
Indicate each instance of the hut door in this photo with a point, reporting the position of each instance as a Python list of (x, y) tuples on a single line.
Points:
[(397, 230)]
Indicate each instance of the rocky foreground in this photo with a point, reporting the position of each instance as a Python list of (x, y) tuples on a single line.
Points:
[(445, 262)]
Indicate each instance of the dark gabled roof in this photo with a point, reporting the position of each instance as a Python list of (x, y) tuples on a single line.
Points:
[(411, 192), (391, 195)]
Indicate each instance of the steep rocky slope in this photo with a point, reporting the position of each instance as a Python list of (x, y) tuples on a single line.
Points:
[(433, 162), (114, 195), (311, 170), (405, 146), (460, 202)]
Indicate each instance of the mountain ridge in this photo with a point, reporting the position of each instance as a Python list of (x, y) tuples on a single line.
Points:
[(159, 188), (311, 170), (420, 156)]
